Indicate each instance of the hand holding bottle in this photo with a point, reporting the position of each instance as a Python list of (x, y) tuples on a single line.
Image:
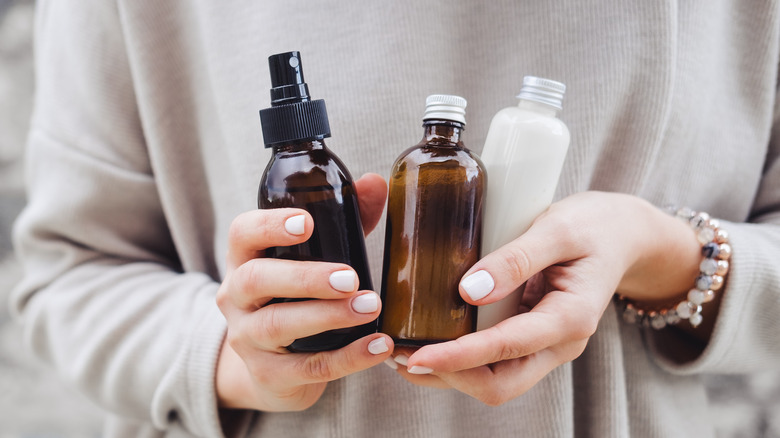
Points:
[(255, 371), (573, 258)]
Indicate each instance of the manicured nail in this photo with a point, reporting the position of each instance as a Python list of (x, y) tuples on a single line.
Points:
[(478, 285), (402, 359), (391, 363), (417, 369), (377, 346), (343, 281), (296, 225), (366, 303)]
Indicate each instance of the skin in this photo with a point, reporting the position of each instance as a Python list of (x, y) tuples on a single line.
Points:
[(573, 259), (254, 371)]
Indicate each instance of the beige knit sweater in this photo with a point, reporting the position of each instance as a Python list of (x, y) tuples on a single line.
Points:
[(146, 143)]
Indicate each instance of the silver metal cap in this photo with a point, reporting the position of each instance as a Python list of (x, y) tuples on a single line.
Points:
[(543, 90), (445, 107)]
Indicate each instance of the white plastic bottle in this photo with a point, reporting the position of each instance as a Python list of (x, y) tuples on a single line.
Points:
[(523, 154)]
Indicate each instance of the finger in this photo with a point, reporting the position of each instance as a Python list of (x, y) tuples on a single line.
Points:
[(501, 382), (501, 272), (427, 380), (277, 325), (285, 370), (371, 191), (400, 359), (253, 231), (257, 281), (560, 317)]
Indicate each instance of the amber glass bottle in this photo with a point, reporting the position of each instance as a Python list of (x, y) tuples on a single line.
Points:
[(304, 173), (434, 220)]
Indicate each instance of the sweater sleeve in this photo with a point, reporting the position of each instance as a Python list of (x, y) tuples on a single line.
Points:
[(104, 298), (746, 336)]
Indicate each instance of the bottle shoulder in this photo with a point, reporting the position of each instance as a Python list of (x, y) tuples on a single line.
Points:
[(422, 155), (518, 115), (306, 168), (510, 122)]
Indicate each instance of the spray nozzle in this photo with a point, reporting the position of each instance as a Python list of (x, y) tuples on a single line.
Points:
[(287, 81), (293, 116)]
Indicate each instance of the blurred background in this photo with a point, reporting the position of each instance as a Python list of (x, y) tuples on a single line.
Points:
[(35, 404)]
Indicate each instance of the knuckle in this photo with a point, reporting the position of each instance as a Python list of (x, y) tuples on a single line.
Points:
[(247, 279), (271, 326), (565, 231), (516, 263), (238, 229), (508, 351), (310, 281), (493, 396), (506, 348), (318, 367), (223, 297), (578, 349), (588, 327), (580, 321), (252, 275), (234, 341)]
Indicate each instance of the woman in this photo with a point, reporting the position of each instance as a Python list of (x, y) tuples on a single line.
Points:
[(145, 283)]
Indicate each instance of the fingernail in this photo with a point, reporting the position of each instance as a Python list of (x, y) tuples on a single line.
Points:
[(343, 281), (402, 359), (478, 285), (377, 346), (296, 225), (391, 363), (366, 303), (417, 369)]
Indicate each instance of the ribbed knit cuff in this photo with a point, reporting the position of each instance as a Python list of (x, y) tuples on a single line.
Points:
[(204, 349), (744, 338)]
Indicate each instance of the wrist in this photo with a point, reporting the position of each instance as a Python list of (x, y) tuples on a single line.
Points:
[(667, 263), (712, 268)]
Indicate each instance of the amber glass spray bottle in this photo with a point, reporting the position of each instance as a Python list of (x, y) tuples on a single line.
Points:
[(304, 173), (434, 219)]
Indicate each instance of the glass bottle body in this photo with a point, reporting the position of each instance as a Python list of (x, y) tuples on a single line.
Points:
[(432, 238), (307, 175)]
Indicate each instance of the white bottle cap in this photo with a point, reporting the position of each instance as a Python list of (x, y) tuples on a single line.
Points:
[(543, 91), (445, 107)]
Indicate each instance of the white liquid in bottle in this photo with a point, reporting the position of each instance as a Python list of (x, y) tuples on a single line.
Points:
[(523, 154)]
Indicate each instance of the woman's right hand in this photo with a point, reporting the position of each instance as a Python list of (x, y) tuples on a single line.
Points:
[(255, 370)]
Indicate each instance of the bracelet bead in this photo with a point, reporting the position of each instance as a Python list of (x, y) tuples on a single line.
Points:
[(715, 251), (724, 251)]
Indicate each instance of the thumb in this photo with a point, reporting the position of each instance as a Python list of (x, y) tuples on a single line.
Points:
[(371, 192), (504, 270)]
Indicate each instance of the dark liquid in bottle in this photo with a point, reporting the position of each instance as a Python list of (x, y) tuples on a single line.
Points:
[(432, 238), (328, 195)]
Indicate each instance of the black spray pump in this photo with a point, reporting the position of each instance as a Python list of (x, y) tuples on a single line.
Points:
[(293, 116), (304, 173)]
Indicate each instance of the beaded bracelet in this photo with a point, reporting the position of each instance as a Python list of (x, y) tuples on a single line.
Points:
[(713, 268)]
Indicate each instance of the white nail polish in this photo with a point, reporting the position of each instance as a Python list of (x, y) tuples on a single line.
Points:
[(343, 281), (417, 369), (478, 285), (391, 363), (377, 346), (402, 359), (366, 303), (296, 225)]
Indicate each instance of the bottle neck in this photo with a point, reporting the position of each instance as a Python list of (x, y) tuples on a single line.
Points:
[(538, 107), (299, 146), (442, 132)]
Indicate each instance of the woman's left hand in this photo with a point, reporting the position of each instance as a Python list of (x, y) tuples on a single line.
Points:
[(572, 260)]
